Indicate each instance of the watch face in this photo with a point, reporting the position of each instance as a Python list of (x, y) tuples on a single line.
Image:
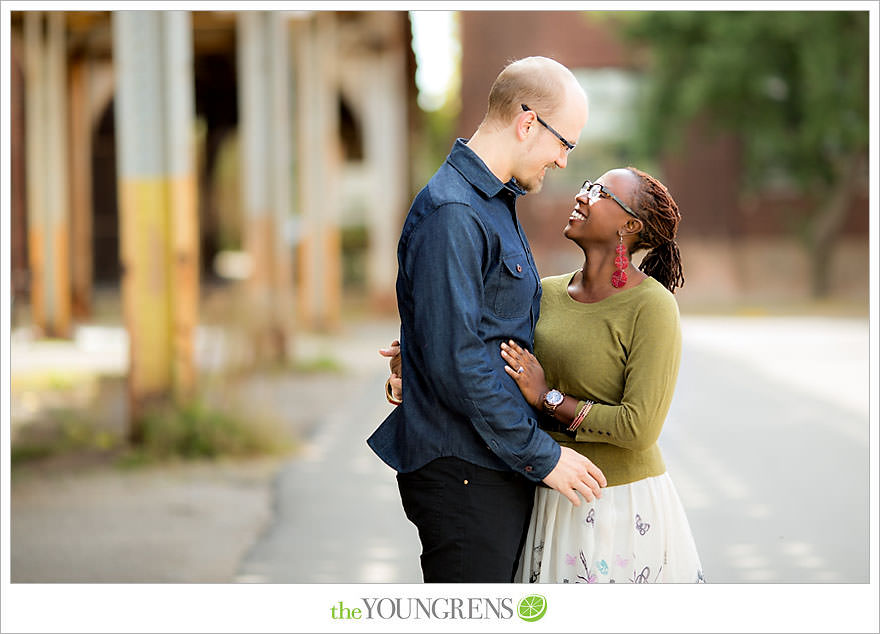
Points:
[(554, 397)]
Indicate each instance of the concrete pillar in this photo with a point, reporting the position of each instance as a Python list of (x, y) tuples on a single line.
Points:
[(80, 169), (157, 193), (264, 84), (18, 250), (385, 134), (319, 162), (180, 160), (48, 222), (281, 176)]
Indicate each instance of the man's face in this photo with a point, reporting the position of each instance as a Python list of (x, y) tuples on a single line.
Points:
[(543, 150)]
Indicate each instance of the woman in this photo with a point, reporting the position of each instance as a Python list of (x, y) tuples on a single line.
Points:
[(607, 353)]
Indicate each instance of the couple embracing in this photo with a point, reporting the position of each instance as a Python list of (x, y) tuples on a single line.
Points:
[(526, 447)]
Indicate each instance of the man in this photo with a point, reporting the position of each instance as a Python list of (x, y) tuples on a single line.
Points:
[(464, 442)]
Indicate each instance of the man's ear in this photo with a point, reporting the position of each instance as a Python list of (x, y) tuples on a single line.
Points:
[(524, 122)]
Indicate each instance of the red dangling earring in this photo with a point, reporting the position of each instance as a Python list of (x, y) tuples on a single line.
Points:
[(618, 278)]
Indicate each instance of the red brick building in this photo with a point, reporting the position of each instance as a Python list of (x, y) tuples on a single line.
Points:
[(733, 250)]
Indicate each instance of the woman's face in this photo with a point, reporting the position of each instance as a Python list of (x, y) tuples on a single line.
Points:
[(600, 218)]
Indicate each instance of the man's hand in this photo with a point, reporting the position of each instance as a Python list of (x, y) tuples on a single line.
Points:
[(393, 353), (574, 474)]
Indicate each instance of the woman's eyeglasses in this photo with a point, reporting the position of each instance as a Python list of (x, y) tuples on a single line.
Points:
[(595, 191)]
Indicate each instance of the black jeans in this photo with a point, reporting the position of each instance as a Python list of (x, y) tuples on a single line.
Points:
[(472, 521)]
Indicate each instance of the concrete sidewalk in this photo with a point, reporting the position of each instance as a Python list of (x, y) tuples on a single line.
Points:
[(185, 523), (80, 518), (311, 517)]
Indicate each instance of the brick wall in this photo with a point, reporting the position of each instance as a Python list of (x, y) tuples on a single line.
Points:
[(731, 243)]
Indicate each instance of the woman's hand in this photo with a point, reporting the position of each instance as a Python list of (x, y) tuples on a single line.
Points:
[(524, 368), (396, 379)]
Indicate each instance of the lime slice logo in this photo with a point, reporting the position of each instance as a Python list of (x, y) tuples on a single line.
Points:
[(532, 608)]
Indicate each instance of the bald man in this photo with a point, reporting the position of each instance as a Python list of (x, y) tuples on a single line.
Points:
[(465, 444)]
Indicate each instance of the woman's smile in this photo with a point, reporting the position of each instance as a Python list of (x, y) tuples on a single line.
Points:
[(577, 215)]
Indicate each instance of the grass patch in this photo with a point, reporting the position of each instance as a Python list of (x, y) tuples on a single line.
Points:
[(56, 380), (187, 432), (196, 431), (21, 454), (319, 364), (64, 432)]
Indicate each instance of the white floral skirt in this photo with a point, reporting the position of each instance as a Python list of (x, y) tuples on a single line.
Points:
[(635, 533)]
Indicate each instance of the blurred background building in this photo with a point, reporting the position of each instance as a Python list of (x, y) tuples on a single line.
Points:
[(345, 83), (161, 160), (209, 202), (737, 249)]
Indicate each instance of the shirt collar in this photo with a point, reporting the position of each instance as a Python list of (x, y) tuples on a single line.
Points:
[(474, 170)]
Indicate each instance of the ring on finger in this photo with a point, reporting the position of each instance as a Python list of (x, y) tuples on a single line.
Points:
[(520, 370)]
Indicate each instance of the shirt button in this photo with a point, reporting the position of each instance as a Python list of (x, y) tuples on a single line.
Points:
[(529, 468), (519, 268)]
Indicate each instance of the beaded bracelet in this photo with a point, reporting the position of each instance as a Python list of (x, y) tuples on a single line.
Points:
[(581, 415)]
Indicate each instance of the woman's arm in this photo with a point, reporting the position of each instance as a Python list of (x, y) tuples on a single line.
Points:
[(528, 373), (650, 376)]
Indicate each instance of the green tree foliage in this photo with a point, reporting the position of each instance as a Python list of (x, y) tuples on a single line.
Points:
[(792, 86)]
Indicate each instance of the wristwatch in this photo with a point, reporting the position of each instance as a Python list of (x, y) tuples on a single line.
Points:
[(552, 399)]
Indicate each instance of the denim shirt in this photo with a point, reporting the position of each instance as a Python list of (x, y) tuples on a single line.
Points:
[(466, 282)]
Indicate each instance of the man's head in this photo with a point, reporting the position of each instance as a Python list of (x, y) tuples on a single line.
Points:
[(538, 108)]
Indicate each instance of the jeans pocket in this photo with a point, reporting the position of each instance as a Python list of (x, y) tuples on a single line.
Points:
[(425, 505)]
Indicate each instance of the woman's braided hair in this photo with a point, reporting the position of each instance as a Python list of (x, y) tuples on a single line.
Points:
[(660, 217)]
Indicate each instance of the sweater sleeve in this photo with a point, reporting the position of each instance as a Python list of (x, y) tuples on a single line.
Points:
[(649, 382)]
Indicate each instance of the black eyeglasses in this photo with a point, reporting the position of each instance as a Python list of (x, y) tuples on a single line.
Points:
[(568, 145), (595, 191)]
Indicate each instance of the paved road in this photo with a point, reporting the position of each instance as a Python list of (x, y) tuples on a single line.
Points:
[(338, 517), (767, 442)]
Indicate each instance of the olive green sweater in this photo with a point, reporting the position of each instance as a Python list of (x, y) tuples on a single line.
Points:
[(622, 352)]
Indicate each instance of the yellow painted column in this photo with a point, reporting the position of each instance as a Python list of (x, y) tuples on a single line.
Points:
[(157, 196), (146, 286), (180, 164)]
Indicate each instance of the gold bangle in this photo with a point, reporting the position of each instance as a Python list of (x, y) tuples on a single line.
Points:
[(389, 393)]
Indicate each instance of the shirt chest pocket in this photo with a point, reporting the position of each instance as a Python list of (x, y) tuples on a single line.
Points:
[(514, 287)]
